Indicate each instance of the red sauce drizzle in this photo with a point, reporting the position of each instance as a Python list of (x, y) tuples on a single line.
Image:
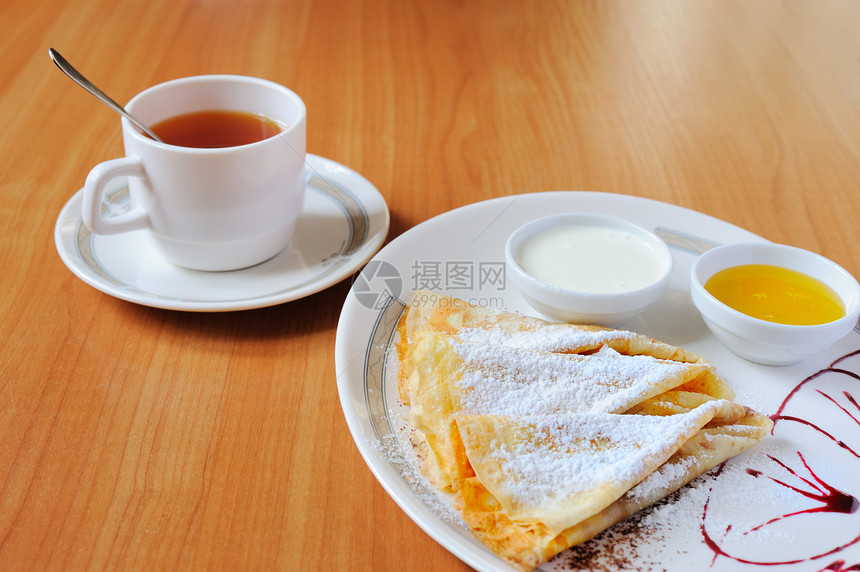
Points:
[(839, 566), (830, 499)]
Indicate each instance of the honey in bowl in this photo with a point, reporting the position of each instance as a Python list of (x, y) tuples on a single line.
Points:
[(215, 129), (776, 294)]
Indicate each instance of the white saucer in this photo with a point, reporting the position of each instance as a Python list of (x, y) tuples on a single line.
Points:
[(343, 224)]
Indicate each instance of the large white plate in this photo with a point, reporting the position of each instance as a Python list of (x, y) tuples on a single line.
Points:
[(343, 223), (727, 520)]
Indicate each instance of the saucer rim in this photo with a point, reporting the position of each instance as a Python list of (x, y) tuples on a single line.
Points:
[(367, 196)]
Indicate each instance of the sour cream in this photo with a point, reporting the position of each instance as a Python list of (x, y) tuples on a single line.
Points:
[(591, 258)]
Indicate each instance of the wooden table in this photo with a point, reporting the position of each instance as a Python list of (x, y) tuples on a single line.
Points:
[(146, 439)]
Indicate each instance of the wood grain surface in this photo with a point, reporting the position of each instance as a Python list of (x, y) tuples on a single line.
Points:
[(143, 439)]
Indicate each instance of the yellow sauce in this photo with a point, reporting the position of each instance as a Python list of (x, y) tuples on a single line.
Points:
[(776, 294)]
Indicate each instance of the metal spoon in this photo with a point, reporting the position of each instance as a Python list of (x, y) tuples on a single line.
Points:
[(87, 85)]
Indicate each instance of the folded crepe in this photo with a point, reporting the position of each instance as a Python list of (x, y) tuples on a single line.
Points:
[(547, 434)]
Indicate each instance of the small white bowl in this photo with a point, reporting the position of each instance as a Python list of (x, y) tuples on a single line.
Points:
[(602, 309), (767, 342)]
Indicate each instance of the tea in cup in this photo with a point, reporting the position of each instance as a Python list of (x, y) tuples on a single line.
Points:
[(224, 188)]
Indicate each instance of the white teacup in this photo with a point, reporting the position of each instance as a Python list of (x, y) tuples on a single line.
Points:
[(208, 208)]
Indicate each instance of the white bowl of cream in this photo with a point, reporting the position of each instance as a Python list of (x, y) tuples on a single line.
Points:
[(588, 268)]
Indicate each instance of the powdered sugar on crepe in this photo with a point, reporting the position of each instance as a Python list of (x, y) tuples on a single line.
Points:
[(508, 381), (661, 479), (547, 339), (577, 454)]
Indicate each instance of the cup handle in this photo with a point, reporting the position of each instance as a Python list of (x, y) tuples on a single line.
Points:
[(94, 189)]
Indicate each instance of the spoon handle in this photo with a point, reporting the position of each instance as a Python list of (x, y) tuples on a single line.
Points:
[(70, 71)]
